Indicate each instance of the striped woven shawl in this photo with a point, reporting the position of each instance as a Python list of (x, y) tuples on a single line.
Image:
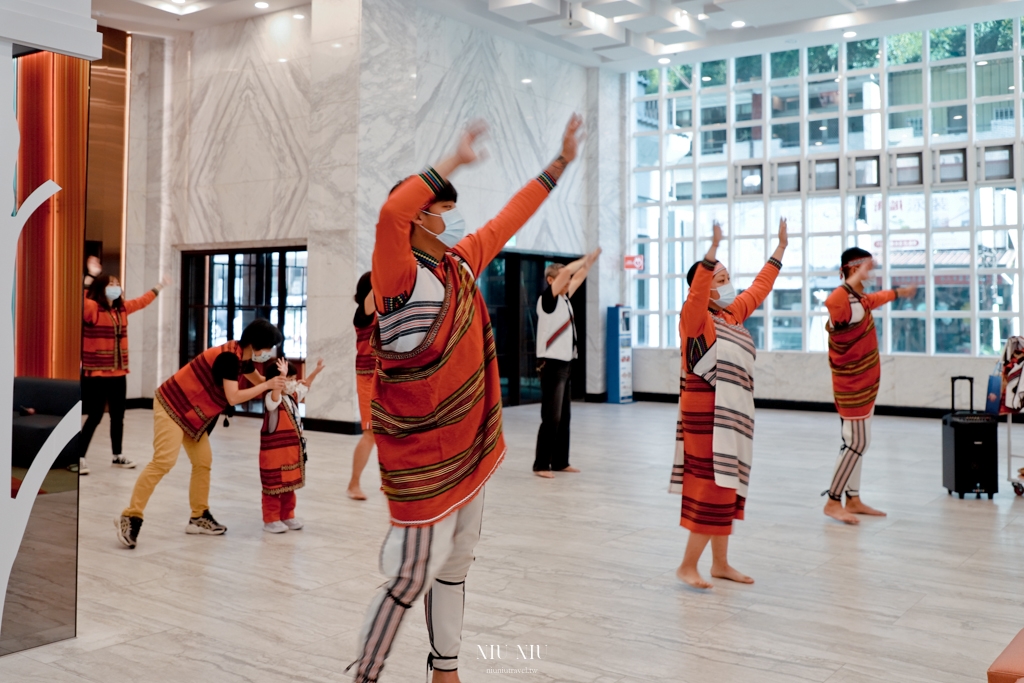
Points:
[(437, 408), (728, 366)]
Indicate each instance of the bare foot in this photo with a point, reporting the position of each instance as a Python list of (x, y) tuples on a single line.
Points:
[(355, 493), (834, 509), (570, 468), (727, 572), (692, 577), (858, 508), (546, 474), (445, 677)]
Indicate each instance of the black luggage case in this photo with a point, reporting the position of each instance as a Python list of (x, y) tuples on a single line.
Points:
[(970, 447)]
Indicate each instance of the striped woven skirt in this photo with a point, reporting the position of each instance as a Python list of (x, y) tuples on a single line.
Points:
[(707, 507)]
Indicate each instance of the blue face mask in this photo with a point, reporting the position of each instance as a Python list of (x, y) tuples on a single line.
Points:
[(454, 227), (263, 357), (113, 292)]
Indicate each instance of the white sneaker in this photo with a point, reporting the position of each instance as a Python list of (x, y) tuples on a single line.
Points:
[(82, 467), (275, 527), (294, 523), (121, 461)]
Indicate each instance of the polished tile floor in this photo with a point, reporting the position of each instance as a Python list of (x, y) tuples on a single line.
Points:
[(581, 568)]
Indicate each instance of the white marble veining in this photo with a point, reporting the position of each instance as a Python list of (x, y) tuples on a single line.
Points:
[(582, 565)]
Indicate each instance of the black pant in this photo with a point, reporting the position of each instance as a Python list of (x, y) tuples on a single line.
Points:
[(556, 397), (97, 394)]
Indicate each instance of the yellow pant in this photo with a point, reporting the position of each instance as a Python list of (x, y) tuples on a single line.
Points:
[(168, 438)]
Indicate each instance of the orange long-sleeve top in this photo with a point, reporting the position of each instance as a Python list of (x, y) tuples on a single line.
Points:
[(840, 311), (394, 269), (695, 320), (100, 343)]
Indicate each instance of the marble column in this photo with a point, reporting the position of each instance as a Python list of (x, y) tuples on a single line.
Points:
[(604, 156)]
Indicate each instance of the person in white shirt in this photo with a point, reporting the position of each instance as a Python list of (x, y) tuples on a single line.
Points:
[(556, 349)]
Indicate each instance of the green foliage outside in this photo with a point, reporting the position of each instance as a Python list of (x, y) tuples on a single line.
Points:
[(905, 48), (823, 59), (947, 43), (715, 71), (647, 81), (862, 54), (785, 64), (680, 78), (748, 69), (993, 36)]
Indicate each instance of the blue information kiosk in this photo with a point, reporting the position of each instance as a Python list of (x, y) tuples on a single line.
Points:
[(619, 355)]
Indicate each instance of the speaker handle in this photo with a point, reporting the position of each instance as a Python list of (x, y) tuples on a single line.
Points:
[(953, 381)]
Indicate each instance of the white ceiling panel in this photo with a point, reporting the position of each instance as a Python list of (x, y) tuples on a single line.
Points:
[(644, 23), (524, 10), (763, 12), (617, 8)]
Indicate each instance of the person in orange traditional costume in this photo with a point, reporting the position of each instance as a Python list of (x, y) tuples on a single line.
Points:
[(185, 409), (853, 357), (715, 431), (364, 320), (283, 448), (436, 398), (105, 359)]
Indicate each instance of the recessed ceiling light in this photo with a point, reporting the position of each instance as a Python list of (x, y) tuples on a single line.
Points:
[(850, 34), (282, 60), (817, 143), (702, 16), (412, 75), (1011, 87), (822, 127), (664, 60), (262, 5), (527, 80), (178, 2), (935, 135), (957, 117), (705, 78), (982, 63), (739, 23), (837, 79), (298, 16)]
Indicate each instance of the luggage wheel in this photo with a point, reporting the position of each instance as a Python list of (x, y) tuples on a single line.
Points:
[(1018, 488)]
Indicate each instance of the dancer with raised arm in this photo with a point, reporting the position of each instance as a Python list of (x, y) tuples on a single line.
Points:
[(436, 398), (853, 357), (715, 433)]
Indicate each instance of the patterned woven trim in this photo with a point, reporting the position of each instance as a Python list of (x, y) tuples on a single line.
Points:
[(710, 265), (425, 258), (393, 303), (775, 262), (547, 181), (433, 180)]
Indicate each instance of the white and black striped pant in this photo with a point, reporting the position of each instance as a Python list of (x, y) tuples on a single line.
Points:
[(846, 476), (434, 559)]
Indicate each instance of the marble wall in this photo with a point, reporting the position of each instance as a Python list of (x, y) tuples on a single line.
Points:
[(282, 131), (907, 381)]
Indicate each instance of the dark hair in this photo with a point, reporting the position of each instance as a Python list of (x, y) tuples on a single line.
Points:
[(692, 272), (363, 288), (260, 334), (853, 254), (97, 292), (270, 371), (447, 193)]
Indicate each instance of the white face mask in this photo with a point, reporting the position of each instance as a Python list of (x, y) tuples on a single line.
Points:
[(454, 227), (263, 357), (113, 292), (726, 295)]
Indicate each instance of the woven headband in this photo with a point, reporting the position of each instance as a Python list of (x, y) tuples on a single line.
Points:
[(857, 262), (719, 266)]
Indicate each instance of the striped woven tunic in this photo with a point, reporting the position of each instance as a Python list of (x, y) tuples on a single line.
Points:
[(437, 396), (853, 349), (708, 508), (366, 367), (191, 396), (282, 448), (105, 335)]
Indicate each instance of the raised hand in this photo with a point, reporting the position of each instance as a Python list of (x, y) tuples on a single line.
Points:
[(907, 292), (276, 384), (571, 138), (783, 233), (716, 234), (93, 266), (282, 367), (166, 281), (465, 152)]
